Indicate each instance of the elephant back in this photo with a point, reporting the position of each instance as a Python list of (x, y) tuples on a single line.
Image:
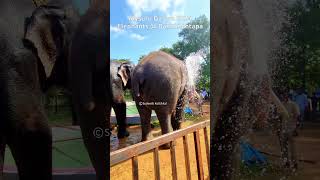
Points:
[(158, 76)]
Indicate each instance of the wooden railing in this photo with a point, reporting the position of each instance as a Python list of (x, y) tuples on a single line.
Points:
[(132, 152)]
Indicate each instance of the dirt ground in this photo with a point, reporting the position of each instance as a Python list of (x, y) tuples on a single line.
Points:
[(307, 145), (123, 171)]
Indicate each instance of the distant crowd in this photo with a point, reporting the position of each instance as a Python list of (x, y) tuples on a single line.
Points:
[(198, 97), (308, 104)]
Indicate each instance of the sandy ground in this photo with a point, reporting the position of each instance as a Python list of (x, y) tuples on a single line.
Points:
[(307, 145), (123, 171)]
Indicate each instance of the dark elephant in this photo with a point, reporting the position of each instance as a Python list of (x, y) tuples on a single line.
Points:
[(89, 66), (158, 83), (241, 90), (23, 123), (68, 45), (118, 99)]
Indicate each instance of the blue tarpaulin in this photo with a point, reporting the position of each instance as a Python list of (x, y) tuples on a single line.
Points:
[(188, 110), (251, 156)]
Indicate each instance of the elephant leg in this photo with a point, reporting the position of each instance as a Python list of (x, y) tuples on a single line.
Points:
[(293, 153), (120, 110), (226, 135), (2, 152), (31, 148), (224, 144), (96, 136), (177, 117), (284, 148), (145, 117), (75, 120), (165, 123), (175, 123)]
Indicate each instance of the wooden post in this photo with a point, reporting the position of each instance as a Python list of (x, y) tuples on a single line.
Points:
[(135, 171), (186, 156), (206, 140), (173, 160), (156, 163), (198, 155)]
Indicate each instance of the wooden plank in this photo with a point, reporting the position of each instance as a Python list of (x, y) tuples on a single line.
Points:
[(142, 147), (173, 160), (186, 156), (196, 136), (135, 170), (206, 140), (156, 163)]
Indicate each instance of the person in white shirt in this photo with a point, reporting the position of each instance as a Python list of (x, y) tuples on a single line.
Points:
[(291, 127)]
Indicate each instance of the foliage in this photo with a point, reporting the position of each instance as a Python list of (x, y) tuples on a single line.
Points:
[(204, 81), (299, 61), (122, 60), (141, 57), (192, 40)]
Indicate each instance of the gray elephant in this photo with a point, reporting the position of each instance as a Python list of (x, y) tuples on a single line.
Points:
[(23, 123), (73, 52), (89, 66), (29, 68), (158, 83), (118, 100)]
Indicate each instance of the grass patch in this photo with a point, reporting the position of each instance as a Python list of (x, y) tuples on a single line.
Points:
[(127, 96), (155, 123)]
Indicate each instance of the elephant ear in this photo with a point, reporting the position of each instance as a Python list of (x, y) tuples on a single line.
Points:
[(44, 33), (124, 71)]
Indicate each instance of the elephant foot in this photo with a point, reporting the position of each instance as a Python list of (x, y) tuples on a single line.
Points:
[(165, 146), (147, 137), (123, 134)]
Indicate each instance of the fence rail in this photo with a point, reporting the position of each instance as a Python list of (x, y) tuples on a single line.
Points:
[(132, 152)]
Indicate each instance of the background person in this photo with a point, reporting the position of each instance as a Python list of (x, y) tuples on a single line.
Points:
[(302, 101), (204, 94), (291, 128)]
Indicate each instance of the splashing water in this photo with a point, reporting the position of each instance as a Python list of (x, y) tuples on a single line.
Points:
[(193, 64), (265, 20)]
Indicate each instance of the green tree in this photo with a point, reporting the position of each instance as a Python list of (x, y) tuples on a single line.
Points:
[(141, 57), (122, 60), (194, 40), (298, 64)]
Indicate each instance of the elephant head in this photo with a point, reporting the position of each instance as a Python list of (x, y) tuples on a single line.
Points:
[(120, 79), (47, 34), (124, 72)]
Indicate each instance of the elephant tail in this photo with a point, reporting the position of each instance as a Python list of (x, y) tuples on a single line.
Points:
[(136, 86)]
